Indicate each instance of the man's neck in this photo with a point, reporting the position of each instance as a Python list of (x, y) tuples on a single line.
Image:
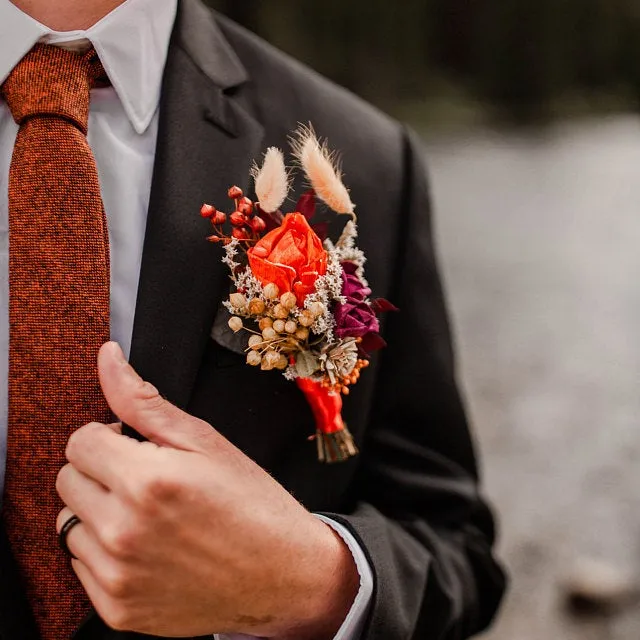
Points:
[(67, 15)]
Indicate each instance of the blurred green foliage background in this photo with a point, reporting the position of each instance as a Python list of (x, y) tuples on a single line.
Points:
[(518, 59)]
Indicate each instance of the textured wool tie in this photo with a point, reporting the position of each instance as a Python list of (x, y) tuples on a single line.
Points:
[(58, 313)]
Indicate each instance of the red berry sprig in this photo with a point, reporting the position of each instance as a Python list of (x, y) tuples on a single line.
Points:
[(247, 225)]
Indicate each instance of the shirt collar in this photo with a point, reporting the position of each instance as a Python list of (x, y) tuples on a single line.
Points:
[(132, 42)]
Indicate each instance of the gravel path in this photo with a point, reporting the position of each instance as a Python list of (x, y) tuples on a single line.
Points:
[(540, 244)]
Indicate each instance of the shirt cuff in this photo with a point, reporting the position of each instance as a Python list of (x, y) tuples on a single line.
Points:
[(353, 624)]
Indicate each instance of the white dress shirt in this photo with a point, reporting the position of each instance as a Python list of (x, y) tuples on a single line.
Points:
[(132, 42)]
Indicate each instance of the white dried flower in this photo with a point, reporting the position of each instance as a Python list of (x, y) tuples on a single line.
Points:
[(345, 250), (317, 308), (328, 289), (245, 281), (348, 236), (231, 251), (340, 360)]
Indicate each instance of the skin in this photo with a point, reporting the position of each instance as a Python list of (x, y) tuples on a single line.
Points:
[(186, 536), (67, 15)]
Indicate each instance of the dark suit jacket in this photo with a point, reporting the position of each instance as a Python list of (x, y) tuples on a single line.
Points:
[(411, 498)]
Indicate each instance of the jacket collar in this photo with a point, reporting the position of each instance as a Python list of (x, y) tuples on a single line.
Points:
[(199, 36)]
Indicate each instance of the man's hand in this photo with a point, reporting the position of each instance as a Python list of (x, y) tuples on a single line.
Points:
[(186, 536)]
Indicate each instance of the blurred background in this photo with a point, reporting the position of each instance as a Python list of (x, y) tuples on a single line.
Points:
[(529, 112)]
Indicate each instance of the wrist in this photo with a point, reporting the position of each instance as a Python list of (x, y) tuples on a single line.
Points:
[(331, 581)]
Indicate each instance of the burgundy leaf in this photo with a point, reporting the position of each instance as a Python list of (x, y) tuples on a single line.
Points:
[(380, 305), (321, 230), (307, 204), (372, 342), (273, 220)]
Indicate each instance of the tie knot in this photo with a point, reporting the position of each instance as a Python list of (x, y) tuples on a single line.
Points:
[(51, 81)]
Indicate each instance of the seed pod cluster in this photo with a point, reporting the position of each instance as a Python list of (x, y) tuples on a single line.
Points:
[(281, 328)]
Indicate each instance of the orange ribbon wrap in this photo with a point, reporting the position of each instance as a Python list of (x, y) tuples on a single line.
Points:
[(334, 441), (325, 403)]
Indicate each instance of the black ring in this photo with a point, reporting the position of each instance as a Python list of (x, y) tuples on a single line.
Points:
[(64, 533)]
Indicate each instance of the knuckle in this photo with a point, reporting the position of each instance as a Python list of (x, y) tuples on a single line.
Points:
[(158, 487), (116, 584), (150, 395), (116, 615), (62, 478), (78, 440), (204, 434), (73, 447), (120, 541)]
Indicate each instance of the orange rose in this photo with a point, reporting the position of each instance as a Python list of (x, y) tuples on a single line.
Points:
[(290, 256)]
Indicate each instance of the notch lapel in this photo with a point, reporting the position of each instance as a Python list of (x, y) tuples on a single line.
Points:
[(206, 143)]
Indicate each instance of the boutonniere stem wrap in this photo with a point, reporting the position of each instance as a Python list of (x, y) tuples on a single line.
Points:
[(301, 298), (332, 437)]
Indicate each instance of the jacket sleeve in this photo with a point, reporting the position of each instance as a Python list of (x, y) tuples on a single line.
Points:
[(420, 518)]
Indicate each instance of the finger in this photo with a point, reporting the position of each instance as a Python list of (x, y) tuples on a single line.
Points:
[(139, 404), (63, 517), (86, 497), (116, 427), (110, 594), (103, 455), (82, 542), (98, 596), (89, 582)]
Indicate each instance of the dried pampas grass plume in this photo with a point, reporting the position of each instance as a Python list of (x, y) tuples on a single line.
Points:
[(322, 170), (271, 180)]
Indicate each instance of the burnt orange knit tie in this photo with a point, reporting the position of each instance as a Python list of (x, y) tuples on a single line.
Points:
[(58, 313)]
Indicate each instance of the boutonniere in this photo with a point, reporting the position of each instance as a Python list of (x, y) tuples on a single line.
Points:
[(301, 298)]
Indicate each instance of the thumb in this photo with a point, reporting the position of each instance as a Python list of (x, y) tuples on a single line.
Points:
[(140, 405)]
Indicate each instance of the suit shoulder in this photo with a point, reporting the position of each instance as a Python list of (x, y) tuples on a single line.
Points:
[(285, 92)]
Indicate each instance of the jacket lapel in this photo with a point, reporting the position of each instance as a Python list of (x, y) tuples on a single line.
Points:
[(206, 143)]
